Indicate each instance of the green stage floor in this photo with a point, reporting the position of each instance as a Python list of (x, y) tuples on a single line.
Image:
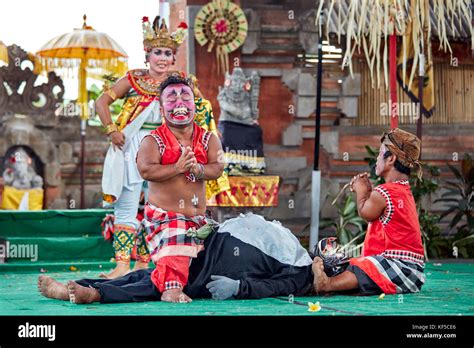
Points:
[(449, 290), (66, 238)]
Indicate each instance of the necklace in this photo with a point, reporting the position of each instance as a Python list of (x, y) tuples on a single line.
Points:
[(195, 201), (401, 182), (144, 83)]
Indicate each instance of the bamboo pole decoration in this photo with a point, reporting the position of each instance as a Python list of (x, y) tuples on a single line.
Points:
[(393, 82), (368, 23), (84, 107), (82, 97), (447, 80)]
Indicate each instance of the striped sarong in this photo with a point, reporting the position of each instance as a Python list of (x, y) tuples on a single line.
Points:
[(395, 272), (166, 233)]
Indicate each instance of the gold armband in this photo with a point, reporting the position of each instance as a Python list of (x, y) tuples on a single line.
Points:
[(110, 128), (111, 94)]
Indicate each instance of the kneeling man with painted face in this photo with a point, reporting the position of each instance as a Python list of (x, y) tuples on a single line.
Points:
[(175, 159)]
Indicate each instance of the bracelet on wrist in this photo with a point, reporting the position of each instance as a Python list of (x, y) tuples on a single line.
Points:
[(200, 175), (110, 128)]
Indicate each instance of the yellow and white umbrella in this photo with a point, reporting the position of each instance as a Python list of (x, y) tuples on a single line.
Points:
[(91, 52), (87, 51)]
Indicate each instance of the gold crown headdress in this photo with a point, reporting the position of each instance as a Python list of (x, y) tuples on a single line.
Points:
[(156, 35)]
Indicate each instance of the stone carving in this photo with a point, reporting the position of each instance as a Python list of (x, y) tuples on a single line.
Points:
[(242, 137), (20, 130), (18, 93), (238, 99), (20, 173), (252, 42), (308, 33)]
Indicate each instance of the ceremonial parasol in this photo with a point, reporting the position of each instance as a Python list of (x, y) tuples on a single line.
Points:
[(88, 51)]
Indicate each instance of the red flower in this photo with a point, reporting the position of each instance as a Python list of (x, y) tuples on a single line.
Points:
[(221, 26), (144, 19), (183, 25), (12, 159)]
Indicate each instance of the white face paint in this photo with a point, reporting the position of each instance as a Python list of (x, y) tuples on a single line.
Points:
[(178, 105), (380, 164)]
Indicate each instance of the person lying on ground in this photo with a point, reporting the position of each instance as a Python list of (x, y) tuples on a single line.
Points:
[(246, 258)]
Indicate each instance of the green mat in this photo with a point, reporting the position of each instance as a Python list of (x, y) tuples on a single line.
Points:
[(51, 222), (54, 240), (71, 240), (449, 290), (73, 248)]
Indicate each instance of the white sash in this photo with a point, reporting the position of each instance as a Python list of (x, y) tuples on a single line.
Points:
[(270, 237), (113, 175)]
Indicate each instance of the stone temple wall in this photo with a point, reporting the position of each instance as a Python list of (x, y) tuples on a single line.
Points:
[(280, 39), (31, 115)]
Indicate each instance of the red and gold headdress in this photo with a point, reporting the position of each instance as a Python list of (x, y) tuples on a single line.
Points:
[(156, 35)]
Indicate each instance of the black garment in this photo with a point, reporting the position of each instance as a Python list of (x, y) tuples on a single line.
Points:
[(260, 275), (366, 285), (132, 287), (239, 136)]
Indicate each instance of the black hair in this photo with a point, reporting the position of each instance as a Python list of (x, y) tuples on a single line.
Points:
[(174, 80), (156, 24), (398, 166)]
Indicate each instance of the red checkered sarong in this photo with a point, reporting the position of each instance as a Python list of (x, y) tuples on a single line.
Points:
[(166, 233)]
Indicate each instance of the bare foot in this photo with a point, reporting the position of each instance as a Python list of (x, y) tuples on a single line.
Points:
[(120, 270), (175, 296), (321, 280), (52, 289), (79, 294), (140, 265)]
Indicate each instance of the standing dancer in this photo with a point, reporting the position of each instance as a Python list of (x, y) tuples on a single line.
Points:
[(121, 181)]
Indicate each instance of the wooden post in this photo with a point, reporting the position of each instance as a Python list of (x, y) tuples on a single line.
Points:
[(421, 84), (84, 107), (316, 174), (83, 165), (393, 81)]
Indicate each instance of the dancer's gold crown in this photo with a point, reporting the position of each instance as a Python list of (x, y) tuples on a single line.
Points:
[(156, 35)]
